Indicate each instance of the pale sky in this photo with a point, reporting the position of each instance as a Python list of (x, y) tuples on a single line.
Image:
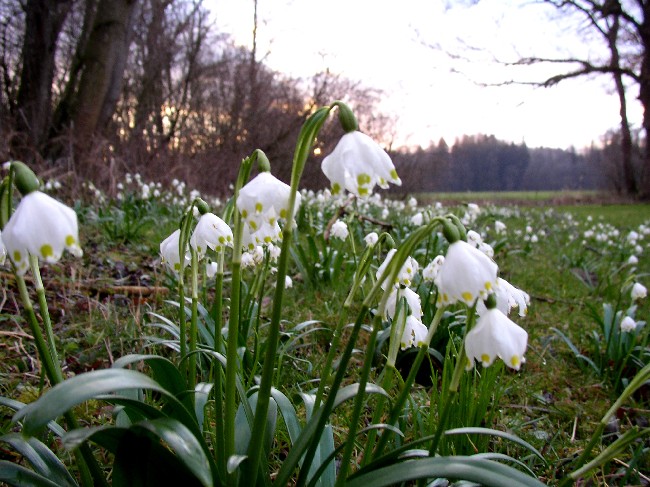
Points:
[(390, 45)]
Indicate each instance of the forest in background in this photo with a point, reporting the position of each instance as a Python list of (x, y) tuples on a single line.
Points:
[(100, 88)]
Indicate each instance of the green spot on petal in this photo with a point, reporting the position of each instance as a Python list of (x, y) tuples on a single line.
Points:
[(485, 358), (283, 213), (46, 251), (393, 174), (17, 256), (258, 207), (467, 297), (363, 179), (336, 188), (70, 241)]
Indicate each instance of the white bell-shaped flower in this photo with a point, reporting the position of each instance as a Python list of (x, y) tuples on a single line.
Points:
[(340, 230), (210, 232), (430, 272), (465, 275), (495, 335), (628, 324), (412, 299), (414, 334), (40, 226), (406, 273), (508, 297), (265, 199), (639, 291), (357, 164), (169, 252)]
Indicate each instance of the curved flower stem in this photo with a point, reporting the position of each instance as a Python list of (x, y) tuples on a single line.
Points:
[(232, 360), (306, 139), (359, 401)]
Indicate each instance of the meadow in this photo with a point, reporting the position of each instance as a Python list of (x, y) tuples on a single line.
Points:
[(358, 357)]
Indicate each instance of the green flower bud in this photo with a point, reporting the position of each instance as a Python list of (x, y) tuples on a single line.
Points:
[(491, 301), (450, 231), (202, 206), (346, 117), (24, 178)]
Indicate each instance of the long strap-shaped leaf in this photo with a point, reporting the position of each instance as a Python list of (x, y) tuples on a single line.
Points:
[(14, 474), (74, 391), (41, 458), (484, 472)]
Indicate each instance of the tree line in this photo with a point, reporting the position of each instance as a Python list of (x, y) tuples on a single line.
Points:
[(485, 163)]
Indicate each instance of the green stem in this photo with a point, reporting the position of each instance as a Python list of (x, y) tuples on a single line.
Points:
[(359, 401), (264, 394), (191, 379), (217, 309), (45, 315), (182, 324)]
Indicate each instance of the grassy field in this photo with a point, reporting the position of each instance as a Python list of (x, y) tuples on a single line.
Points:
[(572, 259)]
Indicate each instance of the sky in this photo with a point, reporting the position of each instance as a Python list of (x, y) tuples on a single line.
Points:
[(432, 59)]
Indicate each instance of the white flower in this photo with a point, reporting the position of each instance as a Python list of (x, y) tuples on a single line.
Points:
[(628, 324), (465, 275), (287, 282), (430, 272), (371, 239), (357, 164), (211, 269), (508, 297), (169, 251), (412, 202), (417, 219), (265, 199), (474, 238), (473, 209), (339, 230), (495, 335), (499, 227), (406, 273), (247, 260), (412, 299), (414, 333), (639, 291), (633, 260), (40, 226), (210, 231)]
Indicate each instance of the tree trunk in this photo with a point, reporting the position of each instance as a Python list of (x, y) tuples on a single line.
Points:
[(43, 22), (629, 178), (106, 50), (644, 98)]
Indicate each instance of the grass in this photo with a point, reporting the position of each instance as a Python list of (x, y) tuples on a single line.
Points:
[(102, 303)]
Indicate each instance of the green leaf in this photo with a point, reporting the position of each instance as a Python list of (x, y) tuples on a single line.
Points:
[(500, 434), (484, 472), (41, 458), (19, 476), (53, 426), (78, 389)]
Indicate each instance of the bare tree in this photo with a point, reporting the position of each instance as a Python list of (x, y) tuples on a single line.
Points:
[(43, 22)]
